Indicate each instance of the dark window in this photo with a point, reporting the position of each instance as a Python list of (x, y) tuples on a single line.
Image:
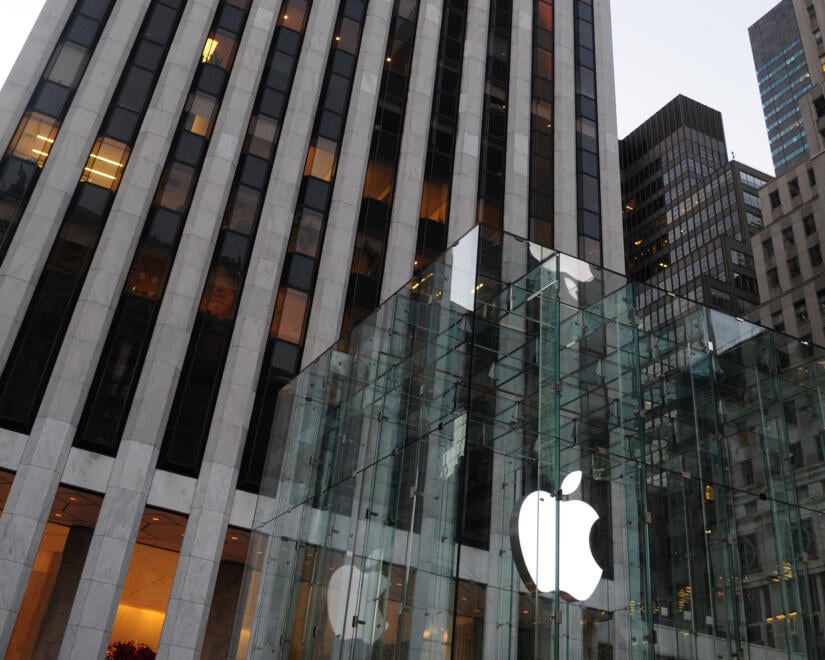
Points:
[(767, 247), (793, 267), (819, 106), (773, 278), (800, 311), (793, 187), (811, 177), (787, 236), (815, 253), (774, 197), (809, 225)]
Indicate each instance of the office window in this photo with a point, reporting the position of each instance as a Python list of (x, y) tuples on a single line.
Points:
[(773, 278), (777, 321), (800, 311), (767, 248), (774, 197), (811, 177), (793, 187), (809, 225), (815, 254), (793, 267), (787, 236)]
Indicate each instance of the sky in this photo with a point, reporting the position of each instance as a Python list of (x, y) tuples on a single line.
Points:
[(661, 48)]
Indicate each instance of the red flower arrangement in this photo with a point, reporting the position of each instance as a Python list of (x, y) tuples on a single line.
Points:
[(130, 651)]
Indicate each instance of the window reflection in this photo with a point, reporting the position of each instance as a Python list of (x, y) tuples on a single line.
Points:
[(321, 159), (200, 113), (288, 320), (221, 292), (434, 201), (175, 189), (306, 236), (67, 64), (148, 273), (379, 180)]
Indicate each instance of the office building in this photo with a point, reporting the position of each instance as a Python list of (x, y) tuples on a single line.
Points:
[(783, 75), (787, 252), (689, 213), (196, 200)]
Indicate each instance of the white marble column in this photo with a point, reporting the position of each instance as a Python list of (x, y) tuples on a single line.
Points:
[(464, 190)]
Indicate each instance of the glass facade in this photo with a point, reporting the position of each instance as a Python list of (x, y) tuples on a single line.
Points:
[(688, 455)]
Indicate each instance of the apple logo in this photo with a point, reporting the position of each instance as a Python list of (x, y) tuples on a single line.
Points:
[(533, 540), (355, 600)]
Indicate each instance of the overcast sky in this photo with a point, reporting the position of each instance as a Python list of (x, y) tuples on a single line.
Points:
[(662, 48)]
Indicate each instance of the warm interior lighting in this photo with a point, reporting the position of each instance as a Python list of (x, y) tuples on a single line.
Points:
[(106, 160), (99, 173), (40, 153), (45, 139), (209, 49), (637, 242)]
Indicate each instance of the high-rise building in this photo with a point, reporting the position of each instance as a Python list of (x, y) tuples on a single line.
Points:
[(196, 199), (788, 251), (689, 212), (783, 75)]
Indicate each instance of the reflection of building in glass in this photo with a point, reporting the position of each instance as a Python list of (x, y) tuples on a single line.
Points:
[(689, 213), (408, 446)]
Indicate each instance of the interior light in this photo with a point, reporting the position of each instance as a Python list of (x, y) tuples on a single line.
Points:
[(106, 160), (99, 173), (43, 137), (209, 49)]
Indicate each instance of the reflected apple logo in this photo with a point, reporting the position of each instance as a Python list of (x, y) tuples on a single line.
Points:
[(533, 541), (355, 601)]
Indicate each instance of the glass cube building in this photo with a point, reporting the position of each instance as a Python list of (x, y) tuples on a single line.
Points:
[(421, 496)]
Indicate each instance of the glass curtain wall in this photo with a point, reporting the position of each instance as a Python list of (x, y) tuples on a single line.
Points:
[(688, 529)]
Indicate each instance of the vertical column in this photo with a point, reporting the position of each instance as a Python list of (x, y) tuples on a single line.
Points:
[(192, 590), (23, 76), (470, 108), (564, 134), (39, 225), (404, 220), (612, 231), (342, 224), (517, 181), (105, 570), (46, 451)]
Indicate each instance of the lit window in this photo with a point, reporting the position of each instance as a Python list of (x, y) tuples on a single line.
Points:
[(209, 49), (34, 138), (105, 165), (321, 159)]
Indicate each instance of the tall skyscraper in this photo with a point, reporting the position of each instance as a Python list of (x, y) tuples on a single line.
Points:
[(788, 251), (196, 199), (688, 212), (783, 75)]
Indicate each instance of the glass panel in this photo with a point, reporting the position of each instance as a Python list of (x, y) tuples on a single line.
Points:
[(34, 138), (321, 159), (200, 111), (290, 310), (106, 162)]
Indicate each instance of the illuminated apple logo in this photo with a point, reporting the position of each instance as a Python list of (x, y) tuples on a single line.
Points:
[(355, 601), (533, 540)]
